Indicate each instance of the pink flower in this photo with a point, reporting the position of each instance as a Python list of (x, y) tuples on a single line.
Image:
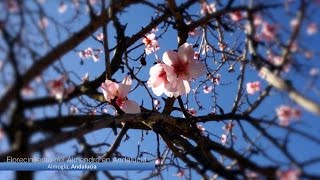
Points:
[(162, 79), (286, 114), (100, 36), (194, 33), (119, 92), (223, 139), (172, 78), (56, 87), (27, 91), (290, 174), (90, 53), (268, 31), (294, 23), (185, 67), (151, 43), (192, 112), (314, 72), (257, 20), (236, 16), (253, 87), (158, 162), (207, 9), (207, 89), (62, 7), (312, 29), (180, 173)]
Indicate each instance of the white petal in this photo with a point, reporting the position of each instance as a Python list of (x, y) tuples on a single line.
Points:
[(186, 52), (170, 57)]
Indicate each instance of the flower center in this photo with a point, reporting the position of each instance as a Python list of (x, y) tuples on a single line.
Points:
[(180, 68)]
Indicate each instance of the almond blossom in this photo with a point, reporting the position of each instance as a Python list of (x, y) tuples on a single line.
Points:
[(223, 139), (314, 72), (118, 92), (192, 112), (151, 43), (286, 114), (62, 7), (253, 87), (162, 79), (207, 9), (236, 16), (56, 87), (90, 53), (312, 29), (27, 91), (180, 173), (172, 78), (207, 89), (268, 31), (185, 67), (100, 37), (294, 23)]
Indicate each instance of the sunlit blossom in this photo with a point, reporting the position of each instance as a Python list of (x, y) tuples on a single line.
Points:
[(62, 8), (162, 79), (253, 87), (223, 139), (207, 89), (151, 43), (185, 67)]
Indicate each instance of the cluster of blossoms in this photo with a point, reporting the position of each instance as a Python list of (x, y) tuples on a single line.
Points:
[(286, 114), (151, 43), (90, 53), (172, 76), (117, 93), (253, 87)]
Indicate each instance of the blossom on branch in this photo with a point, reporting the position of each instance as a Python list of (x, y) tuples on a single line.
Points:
[(57, 88), (253, 87), (172, 78), (151, 43), (118, 92)]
